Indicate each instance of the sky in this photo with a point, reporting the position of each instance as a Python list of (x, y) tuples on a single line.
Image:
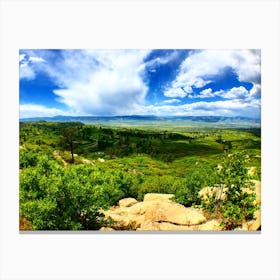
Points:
[(165, 82)]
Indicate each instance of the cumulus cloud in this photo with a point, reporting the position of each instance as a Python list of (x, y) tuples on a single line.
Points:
[(215, 108), (198, 68), (111, 82), (235, 93), (98, 82), (21, 57), (28, 66), (255, 90), (175, 92), (26, 72), (33, 110), (36, 59), (206, 93), (174, 100), (162, 59)]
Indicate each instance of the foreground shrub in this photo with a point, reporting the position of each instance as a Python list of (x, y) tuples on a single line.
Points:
[(54, 198), (201, 177), (238, 202)]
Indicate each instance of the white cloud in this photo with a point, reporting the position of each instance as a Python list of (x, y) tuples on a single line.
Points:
[(206, 93), (174, 100), (235, 93), (97, 82), (162, 59), (32, 110), (26, 72), (255, 90), (215, 108), (110, 82), (28, 67), (36, 59), (198, 68), (175, 92), (21, 57)]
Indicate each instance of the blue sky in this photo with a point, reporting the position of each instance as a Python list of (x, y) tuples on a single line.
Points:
[(140, 82)]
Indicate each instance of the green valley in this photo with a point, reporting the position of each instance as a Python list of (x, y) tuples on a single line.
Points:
[(71, 170)]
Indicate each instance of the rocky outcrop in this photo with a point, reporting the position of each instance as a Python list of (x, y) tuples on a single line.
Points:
[(155, 212), (127, 202), (159, 212)]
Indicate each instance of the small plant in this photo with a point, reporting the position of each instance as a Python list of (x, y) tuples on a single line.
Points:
[(238, 202)]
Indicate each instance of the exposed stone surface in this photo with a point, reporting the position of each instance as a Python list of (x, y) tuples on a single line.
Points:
[(159, 212), (157, 196), (158, 209), (126, 202), (106, 229)]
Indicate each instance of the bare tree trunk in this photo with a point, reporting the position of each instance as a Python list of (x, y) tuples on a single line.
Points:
[(72, 152)]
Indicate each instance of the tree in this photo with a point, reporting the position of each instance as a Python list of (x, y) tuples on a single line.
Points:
[(235, 202), (70, 139)]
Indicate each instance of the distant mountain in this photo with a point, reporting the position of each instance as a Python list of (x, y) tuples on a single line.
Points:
[(140, 117), (156, 122)]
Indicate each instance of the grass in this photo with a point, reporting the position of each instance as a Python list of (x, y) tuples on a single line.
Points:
[(160, 157)]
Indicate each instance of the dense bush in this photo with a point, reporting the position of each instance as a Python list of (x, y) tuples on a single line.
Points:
[(70, 199), (238, 205), (201, 177), (161, 184)]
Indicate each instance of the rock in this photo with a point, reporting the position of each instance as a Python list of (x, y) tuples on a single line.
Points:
[(157, 196), (216, 191), (210, 225), (123, 220), (133, 171), (212, 191), (148, 225), (178, 214), (127, 202), (257, 189), (168, 211), (130, 214), (86, 161), (101, 159), (251, 170), (254, 224), (107, 229), (158, 212)]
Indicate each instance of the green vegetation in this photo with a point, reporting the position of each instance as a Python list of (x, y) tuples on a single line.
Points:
[(232, 180), (70, 171)]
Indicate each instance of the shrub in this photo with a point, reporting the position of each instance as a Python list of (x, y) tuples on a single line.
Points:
[(199, 178), (238, 205), (53, 198)]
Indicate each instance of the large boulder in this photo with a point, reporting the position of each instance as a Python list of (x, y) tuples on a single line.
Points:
[(158, 197), (131, 215), (160, 212), (212, 225), (127, 202), (107, 229)]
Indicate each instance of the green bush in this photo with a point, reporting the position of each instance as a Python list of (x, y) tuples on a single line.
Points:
[(70, 199), (238, 205), (199, 178)]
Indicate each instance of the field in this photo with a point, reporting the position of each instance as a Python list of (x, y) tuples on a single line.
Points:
[(71, 170)]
